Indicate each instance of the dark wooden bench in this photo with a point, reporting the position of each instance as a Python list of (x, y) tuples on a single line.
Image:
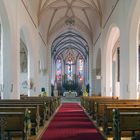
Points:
[(108, 115), (39, 113), (100, 107), (41, 108), (47, 105), (125, 121), (89, 103), (51, 103), (13, 121)]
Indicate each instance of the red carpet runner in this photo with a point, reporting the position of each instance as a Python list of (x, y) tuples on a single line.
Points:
[(71, 123)]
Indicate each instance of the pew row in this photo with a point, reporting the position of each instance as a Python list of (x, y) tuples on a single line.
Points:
[(102, 110), (15, 121), (41, 109), (125, 121), (89, 102)]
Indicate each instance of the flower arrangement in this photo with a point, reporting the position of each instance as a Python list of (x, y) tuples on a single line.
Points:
[(85, 93)]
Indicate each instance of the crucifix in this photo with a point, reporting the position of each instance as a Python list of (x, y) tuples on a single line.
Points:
[(70, 67)]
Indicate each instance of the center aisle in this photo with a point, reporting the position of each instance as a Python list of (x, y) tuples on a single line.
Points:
[(71, 123)]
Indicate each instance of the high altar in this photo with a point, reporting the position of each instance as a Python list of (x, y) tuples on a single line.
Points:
[(70, 94)]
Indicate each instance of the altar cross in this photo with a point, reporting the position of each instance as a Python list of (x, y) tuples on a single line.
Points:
[(70, 66)]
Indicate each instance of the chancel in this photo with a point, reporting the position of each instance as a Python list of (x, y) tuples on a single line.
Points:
[(60, 59), (70, 62)]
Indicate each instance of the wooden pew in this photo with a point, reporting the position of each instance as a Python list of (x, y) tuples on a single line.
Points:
[(15, 121), (38, 114), (125, 121), (89, 103), (108, 115), (51, 103), (45, 106), (100, 107)]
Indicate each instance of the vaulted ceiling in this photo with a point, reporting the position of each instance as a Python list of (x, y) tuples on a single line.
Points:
[(84, 15), (69, 42), (54, 15)]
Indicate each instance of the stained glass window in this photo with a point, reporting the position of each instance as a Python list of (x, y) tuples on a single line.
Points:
[(70, 65), (59, 68), (80, 69), (70, 69)]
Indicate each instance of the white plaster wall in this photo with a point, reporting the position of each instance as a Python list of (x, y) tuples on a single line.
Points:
[(8, 49), (90, 69), (19, 19), (96, 82), (43, 67), (31, 40), (120, 19), (134, 18)]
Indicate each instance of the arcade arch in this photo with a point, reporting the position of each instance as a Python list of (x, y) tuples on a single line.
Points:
[(113, 62)]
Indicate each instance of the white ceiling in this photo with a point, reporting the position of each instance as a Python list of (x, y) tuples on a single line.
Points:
[(53, 15), (84, 15)]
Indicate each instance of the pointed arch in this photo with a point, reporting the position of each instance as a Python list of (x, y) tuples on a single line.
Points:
[(26, 68), (111, 64)]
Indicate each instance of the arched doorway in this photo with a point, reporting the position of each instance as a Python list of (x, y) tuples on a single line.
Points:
[(70, 56), (23, 67), (26, 63), (98, 74), (113, 63)]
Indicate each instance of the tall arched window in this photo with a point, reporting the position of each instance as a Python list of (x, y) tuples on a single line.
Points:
[(58, 69), (23, 68), (69, 69), (70, 65), (23, 57), (118, 64), (80, 69)]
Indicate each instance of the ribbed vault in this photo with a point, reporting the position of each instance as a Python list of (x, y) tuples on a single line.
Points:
[(69, 41), (85, 15)]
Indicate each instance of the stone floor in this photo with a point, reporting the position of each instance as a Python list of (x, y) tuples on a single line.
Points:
[(70, 99)]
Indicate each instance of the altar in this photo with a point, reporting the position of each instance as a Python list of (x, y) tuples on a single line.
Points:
[(70, 94)]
